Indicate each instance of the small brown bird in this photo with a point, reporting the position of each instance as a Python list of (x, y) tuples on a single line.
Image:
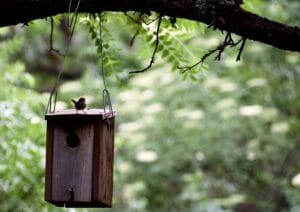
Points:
[(80, 104)]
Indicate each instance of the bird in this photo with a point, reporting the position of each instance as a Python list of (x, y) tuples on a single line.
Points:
[(80, 104)]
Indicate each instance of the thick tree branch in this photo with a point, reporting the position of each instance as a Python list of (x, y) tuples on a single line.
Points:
[(222, 14)]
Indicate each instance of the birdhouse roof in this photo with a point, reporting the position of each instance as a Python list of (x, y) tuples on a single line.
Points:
[(80, 114)]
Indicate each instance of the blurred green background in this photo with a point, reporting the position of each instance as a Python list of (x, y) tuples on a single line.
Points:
[(224, 136)]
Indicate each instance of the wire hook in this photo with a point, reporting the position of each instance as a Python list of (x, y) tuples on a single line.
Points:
[(49, 108), (107, 101)]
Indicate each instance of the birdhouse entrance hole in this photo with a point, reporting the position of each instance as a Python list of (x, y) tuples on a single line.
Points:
[(72, 140), (79, 158)]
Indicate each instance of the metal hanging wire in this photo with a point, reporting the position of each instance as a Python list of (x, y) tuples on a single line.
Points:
[(53, 94), (105, 92), (74, 17)]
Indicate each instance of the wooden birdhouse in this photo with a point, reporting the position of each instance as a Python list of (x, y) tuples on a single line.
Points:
[(79, 158)]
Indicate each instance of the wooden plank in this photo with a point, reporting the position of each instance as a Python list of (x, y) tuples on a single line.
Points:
[(72, 167), (48, 167), (82, 114), (110, 160), (106, 162), (96, 160)]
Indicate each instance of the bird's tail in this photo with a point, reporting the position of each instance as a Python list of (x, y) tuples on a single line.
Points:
[(74, 101)]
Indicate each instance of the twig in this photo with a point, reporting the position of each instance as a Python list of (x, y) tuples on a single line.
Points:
[(185, 69), (137, 21), (155, 49), (134, 36), (140, 19), (153, 20), (228, 41), (238, 58)]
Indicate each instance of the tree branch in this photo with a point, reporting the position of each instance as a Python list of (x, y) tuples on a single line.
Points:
[(222, 14), (154, 51), (228, 42)]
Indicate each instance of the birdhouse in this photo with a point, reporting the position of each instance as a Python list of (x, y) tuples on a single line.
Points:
[(79, 158)]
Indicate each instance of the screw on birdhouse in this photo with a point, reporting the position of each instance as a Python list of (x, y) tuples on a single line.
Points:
[(71, 192)]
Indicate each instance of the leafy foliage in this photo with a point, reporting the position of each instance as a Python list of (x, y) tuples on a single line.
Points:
[(22, 135), (108, 44), (173, 40), (224, 146)]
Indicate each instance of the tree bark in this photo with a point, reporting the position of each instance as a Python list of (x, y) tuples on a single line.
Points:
[(222, 14)]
